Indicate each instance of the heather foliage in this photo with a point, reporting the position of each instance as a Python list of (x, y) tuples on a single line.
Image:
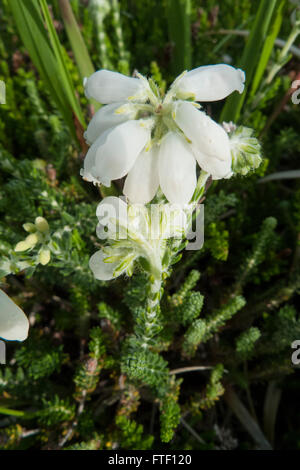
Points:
[(98, 369)]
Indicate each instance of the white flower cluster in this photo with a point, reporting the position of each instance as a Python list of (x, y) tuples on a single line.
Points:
[(156, 141), (135, 232)]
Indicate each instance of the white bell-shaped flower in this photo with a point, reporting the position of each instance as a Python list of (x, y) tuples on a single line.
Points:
[(14, 324), (156, 140), (114, 153), (144, 230), (177, 169), (209, 139), (106, 118), (88, 172), (111, 87), (210, 82), (142, 181), (101, 270)]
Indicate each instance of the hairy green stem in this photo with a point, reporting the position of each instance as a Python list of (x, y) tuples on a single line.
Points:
[(155, 290), (152, 313), (99, 11)]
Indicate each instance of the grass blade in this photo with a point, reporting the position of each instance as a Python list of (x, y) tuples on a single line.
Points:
[(268, 46), (30, 25), (250, 57), (281, 175), (178, 16), (246, 419), (271, 404), (61, 63), (78, 46)]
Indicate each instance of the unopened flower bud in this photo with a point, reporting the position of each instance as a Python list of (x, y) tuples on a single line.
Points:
[(44, 256), (21, 246), (29, 227), (42, 224), (245, 149), (32, 240)]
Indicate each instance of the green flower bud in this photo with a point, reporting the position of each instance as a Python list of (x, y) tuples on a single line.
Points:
[(44, 256), (245, 149), (29, 227), (42, 224), (21, 246), (32, 240)]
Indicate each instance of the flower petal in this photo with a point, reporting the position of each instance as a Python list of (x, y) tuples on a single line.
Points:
[(88, 171), (116, 154), (110, 87), (177, 169), (101, 270), (142, 181), (211, 82), (14, 324), (217, 168), (206, 135), (107, 118)]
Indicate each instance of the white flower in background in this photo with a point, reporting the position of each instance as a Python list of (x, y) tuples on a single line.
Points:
[(133, 232), (156, 141), (14, 324)]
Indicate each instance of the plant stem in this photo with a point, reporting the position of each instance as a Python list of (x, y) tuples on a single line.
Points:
[(71, 430), (284, 52), (244, 33), (192, 431), (276, 67), (7, 411), (99, 11), (152, 325), (183, 370), (200, 188), (246, 419), (123, 62)]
